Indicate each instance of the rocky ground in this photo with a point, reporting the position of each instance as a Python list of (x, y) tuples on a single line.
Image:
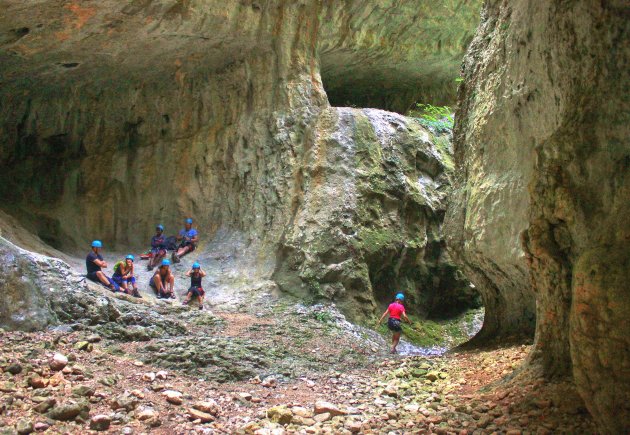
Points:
[(267, 367), (256, 361)]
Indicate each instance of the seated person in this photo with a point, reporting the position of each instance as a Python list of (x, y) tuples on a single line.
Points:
[(123, 276), (158, 247), (163, 281), (189, 238), (94, 263), (195, 289)]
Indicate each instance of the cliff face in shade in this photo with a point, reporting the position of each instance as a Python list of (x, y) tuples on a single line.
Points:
[(172, 109), (119, 115), (543, 184), (391, 54)]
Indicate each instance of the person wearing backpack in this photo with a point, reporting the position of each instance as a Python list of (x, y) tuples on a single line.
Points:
[(195, 290), (158, 247), (396, 310), (124, 277)]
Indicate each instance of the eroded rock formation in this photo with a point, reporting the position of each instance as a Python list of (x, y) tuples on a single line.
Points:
[(369, 218), (38, 291), (541, 211), (119, 115), (392, 54)]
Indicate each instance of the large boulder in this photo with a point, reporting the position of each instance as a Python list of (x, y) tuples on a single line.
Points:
[(38, 291), (542, 203), (368, 220)]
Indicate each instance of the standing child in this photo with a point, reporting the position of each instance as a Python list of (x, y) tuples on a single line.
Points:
[(195, 289), (396, 310), (124, 277)]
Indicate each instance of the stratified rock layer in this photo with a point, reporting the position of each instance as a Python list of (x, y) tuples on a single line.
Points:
[(542, 203)]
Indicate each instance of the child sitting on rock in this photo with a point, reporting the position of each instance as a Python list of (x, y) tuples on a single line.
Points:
[(195, 289)]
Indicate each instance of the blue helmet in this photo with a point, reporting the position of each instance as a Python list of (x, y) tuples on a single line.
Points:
[(400, 297), (130, 257), (189, 221), (196, 265), (97, 244), (166, 262), (160, 227)]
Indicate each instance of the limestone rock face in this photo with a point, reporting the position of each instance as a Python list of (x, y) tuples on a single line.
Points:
[(390, 54), (368, 219), (543, 156), (118, 115), (38, 291)]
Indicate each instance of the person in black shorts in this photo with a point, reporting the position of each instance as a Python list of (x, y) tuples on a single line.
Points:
[(396, 311), (94, 263), (195, 274), (163, 281)]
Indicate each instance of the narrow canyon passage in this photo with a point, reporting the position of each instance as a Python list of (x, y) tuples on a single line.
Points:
[(313, 143)]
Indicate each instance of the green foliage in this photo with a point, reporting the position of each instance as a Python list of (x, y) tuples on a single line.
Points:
[(429, 333), (323, 316), (437, 118)]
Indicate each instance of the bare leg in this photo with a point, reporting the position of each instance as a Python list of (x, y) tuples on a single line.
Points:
[(200, 299), (158, 285), (395, 340), (187, 299), (183, 251), (171, 285)]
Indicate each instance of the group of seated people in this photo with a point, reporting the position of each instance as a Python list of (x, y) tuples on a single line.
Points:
[(163, 281)]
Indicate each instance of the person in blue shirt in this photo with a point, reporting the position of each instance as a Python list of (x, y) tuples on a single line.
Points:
[(158, 247), (188, 238), (94, 263)]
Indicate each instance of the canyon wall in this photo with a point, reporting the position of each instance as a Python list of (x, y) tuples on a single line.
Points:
[(117, 116), (543, 159), (391, 54)]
